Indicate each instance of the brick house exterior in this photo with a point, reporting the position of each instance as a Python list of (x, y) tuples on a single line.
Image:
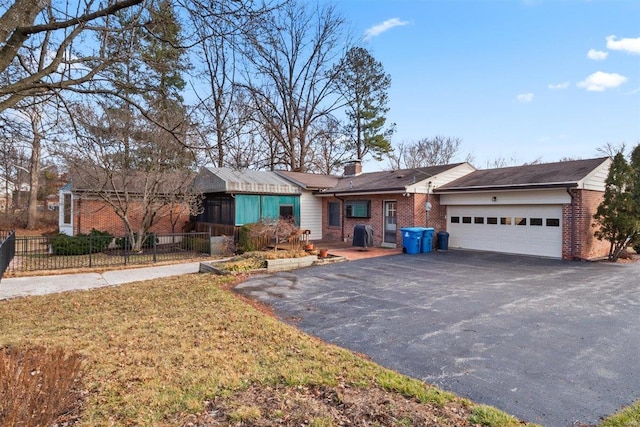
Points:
[(92, 213), (403, 192), (410, 212), (543, 209), (578, 239), (84, 205)]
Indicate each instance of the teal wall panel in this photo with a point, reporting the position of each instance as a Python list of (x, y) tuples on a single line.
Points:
[(252, 208)]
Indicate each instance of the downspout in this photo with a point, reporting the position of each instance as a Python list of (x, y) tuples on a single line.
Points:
[(342, 213), (573, 223)]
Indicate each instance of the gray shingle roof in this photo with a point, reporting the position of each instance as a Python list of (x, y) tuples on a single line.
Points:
[(387, 181), (556, 174)]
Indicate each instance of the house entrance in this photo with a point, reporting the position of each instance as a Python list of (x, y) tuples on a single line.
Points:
[(390, 221)]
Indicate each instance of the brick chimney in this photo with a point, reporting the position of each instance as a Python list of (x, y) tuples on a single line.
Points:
[(353, 168)]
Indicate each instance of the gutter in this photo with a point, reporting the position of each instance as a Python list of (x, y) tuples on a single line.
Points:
[(508, 187)]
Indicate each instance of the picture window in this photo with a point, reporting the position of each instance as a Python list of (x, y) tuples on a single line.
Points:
[(358, 209)]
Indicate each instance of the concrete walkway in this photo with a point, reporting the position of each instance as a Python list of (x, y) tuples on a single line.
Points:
[(41, 285), (12, 287)]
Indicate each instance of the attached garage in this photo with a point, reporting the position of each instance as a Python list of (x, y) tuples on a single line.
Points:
[(517, 229), (543, 209)]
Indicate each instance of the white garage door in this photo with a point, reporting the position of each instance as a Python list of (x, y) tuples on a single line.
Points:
[(529, 230)]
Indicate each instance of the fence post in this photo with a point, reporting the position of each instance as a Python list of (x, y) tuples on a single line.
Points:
[(90, 250), (7, 251), (155, 247)]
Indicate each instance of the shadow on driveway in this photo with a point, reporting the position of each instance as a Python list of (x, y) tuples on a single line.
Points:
[(551, 342)]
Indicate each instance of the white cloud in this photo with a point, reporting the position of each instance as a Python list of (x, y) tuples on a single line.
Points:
[(558, 86), (525, 97), (600, 81), (378, 29), (627, 45), (597, 55)]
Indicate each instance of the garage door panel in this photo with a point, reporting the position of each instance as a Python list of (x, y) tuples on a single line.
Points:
[(540, 240)]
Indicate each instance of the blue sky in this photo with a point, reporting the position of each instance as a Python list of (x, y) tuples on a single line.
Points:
[(521, 79)]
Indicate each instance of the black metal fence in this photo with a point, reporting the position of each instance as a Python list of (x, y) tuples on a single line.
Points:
[(7, 249), (94, 251)]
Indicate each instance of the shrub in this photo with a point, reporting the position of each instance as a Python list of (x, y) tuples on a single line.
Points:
[(81, 244), (636, 245), (245, 242), (147, 243), (195, 244), (38, 387)]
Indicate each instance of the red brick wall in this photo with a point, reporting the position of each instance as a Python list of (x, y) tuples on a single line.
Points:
[(585, 244), (92, 213), (410, 212)]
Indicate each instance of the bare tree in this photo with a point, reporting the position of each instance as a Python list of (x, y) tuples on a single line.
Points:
[(439, 150), (610, 149), (141, 189), (330, 147), (42, 48), (290, 54)]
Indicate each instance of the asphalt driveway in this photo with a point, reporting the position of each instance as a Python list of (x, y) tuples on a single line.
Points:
[(551, 342)]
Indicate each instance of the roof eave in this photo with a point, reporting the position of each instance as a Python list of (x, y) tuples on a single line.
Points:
[(507, 187), (363, 192)]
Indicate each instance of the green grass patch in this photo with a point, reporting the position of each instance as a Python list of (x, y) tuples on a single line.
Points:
[(628, 417), (489, 416)]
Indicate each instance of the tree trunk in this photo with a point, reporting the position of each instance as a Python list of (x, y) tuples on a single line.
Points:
[(34, 170)]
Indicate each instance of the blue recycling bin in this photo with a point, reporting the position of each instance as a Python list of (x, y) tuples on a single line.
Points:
[(443, 240), (411, 238), (427, 239)]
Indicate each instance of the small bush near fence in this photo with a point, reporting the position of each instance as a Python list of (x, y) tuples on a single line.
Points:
[(125, 242), (249, 241), (38, 387), (81, 244), (195, 244)]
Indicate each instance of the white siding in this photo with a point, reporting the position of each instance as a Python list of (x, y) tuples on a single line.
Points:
[(441, 178), (311, 214), (523, 197), (596, 179)]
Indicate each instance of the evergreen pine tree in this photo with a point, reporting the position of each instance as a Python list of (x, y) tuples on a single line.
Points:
[(363, 83), (615, 215)]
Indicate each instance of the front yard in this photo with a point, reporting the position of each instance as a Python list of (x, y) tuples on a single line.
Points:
[(185, 350)]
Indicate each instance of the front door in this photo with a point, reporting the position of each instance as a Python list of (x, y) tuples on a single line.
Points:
[(390, 215)]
